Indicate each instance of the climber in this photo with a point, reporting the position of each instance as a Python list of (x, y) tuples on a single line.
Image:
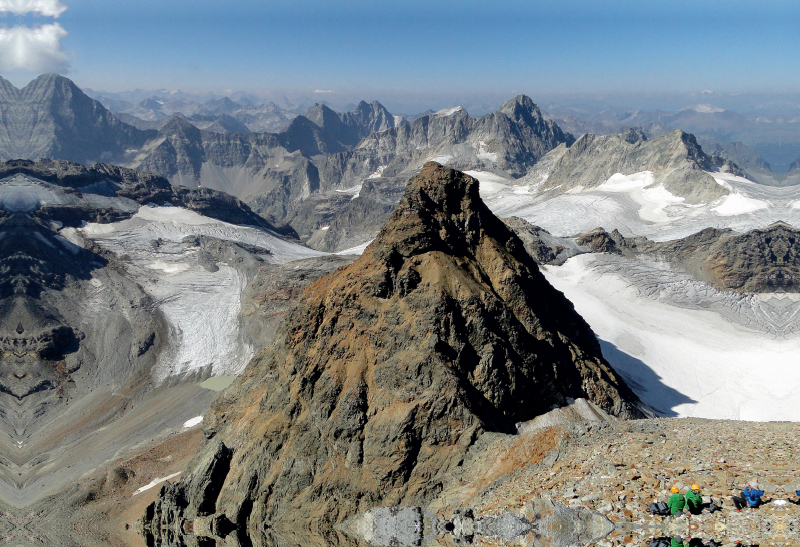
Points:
[(676, 501), (694, 501), (751, 495)]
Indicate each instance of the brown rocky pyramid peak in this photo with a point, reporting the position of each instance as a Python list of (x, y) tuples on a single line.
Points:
[(391, 368), (441, 210)]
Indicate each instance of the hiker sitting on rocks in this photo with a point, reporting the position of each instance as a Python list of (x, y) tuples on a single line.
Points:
[(694, 500), (676, 501), (750, 495)]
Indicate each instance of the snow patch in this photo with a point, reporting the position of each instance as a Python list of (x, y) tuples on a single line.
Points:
[(441, 159), (567, 213), (737, 204), (68, 245), (199, 335), (443, 113), (626, 183), (71, 236), (704, 108), (638, 186), (176, 223), (357, 250), (355, 190), (192, 422), (155, 482), (490, 183), (725, 179), (377, 173), (166, 267)]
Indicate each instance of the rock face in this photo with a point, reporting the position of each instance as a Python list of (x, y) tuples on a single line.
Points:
[(757, 261), (388, 370), (512, 139), (52, 118), (543, 247), (676, 161)]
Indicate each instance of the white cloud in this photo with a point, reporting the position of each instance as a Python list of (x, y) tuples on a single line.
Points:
[(48, 8), (24, 49), (323, 91)]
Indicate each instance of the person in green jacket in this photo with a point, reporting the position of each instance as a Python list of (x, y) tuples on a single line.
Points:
[(676, 501), (694, 501)]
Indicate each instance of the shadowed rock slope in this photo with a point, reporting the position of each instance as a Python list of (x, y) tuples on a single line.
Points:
[(388, 370)]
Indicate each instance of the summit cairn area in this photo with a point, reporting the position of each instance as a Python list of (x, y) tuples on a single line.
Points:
[(388, 371)]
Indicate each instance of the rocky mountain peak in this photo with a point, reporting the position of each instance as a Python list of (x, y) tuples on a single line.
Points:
[(56, 92), (634, 135), (441, 209), (150, 104), (368, 118), (220, 106), (51, 80), (389, 369), (52, 118), (324, 117), (520, 107), (180, 127)]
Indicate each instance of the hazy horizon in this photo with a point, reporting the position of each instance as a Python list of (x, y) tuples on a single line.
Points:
[(432, 49)]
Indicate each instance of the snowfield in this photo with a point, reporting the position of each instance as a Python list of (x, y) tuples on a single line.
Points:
[(629, 204), (201, 307), (696, 352), (686, 348)]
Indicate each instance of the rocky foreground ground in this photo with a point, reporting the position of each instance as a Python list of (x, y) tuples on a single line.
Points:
[(617, 468), (614, 469)]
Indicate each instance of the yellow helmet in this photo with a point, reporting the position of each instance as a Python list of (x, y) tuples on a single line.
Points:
[(695, 487), (675, 489)]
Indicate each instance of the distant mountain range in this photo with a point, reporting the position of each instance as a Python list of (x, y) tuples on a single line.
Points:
[(746, 139), (154, 113), (334, 177)]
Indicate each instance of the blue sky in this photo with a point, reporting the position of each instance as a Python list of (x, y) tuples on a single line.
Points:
[(413, 46)]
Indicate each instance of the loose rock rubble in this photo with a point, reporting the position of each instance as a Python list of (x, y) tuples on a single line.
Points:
[(618, 468)]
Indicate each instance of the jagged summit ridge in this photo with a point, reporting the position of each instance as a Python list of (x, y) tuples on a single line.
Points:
[(388, 370)]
